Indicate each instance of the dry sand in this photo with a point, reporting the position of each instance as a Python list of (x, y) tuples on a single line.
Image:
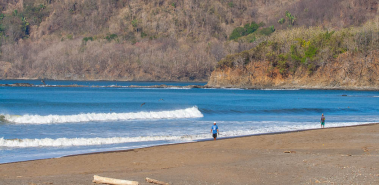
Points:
[(348, 155)]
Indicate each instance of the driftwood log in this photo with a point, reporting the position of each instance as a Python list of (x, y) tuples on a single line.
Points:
[(106, 180), (155, 181)]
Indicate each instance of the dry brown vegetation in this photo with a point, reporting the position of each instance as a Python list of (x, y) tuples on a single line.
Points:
[(306, 58), (146, 40)]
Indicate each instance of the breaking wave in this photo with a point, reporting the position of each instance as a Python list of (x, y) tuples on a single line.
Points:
[(192, 112), (67, 142)]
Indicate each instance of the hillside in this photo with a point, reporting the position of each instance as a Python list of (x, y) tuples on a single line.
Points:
[(159, 40), (306, 58)]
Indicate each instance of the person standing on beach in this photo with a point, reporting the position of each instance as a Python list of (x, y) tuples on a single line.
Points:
[(322, 121), (214, 130)]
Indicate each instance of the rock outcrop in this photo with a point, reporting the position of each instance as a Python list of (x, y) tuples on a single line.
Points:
[(348, 71)]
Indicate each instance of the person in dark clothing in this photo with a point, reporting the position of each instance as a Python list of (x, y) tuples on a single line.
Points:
[(322, 121)]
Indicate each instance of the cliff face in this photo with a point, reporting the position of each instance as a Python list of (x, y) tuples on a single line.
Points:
[(348, 71)]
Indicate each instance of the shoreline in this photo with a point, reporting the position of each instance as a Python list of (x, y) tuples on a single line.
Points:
[(197, 141), (102, 80), (342, 155), (163, 86)]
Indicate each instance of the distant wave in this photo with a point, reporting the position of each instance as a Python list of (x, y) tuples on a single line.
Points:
[(192, 112), (280, 89), (65, 142), (278, 111)]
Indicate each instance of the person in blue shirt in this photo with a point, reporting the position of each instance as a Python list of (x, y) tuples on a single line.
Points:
[(214, 130)]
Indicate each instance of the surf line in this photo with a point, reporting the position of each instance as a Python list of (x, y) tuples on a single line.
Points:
[(192, 112)]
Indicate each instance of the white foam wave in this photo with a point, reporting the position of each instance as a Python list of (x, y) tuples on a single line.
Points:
[(280, 89), (286, 128), (67, 142), (192, 112), (239, 89)]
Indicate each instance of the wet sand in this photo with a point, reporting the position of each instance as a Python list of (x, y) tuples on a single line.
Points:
[(347, 155)]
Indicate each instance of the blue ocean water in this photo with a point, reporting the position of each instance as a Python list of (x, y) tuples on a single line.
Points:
[(48, 122)]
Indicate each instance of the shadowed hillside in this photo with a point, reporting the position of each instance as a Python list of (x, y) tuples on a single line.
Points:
[(175, 40)]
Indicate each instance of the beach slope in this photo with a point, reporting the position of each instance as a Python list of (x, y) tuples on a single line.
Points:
[(348, 155)]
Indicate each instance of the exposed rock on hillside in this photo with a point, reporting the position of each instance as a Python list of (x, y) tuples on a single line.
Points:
[(348, 71)]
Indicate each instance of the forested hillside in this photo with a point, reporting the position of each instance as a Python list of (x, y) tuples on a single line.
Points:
[(306, 58), (159, 40)]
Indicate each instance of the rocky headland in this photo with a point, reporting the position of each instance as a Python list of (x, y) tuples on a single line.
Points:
[(348, 71)]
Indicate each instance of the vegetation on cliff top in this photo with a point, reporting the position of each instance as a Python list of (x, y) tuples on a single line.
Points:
[(310, 48)]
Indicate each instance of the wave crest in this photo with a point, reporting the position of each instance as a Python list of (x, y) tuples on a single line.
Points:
[(66, 142), (192, 112)]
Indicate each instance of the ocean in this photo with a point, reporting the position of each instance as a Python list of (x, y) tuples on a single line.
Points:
[(51, 122)]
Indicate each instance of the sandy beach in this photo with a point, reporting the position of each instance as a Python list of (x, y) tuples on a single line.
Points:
[(347, 155)]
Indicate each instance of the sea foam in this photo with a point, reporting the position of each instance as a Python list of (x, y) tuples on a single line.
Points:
[(192, 112), (66, 142)]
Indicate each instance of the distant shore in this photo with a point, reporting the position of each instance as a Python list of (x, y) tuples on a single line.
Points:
[(345, 155), (100, 80), (200, 86)]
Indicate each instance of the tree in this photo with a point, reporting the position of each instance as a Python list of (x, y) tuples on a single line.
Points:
[(281, 21), (291, 18)]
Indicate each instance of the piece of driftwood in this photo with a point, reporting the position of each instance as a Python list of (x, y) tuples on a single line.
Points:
[(106, 180), (290, 152), (155, 181)]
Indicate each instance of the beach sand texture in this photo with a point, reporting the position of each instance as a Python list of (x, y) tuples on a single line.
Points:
[(348, 155)]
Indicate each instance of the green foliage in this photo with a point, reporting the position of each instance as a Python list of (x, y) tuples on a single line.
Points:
[(231, 4), (283, 64), (2, 28), (36, 13), (226, 62), (243, 31), (19, 22), (237, 32), (295, 55), (143, 34), (25, 27), (86, 39), (291, 18), (250, 28), (15, 13), (242, 59), (70, 36), (306, 48), (173, 4), (327, 35), (311, 68), (111, 37), (310, 52), (261, 24), (267, 31), (281, 21), (135, 23)]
